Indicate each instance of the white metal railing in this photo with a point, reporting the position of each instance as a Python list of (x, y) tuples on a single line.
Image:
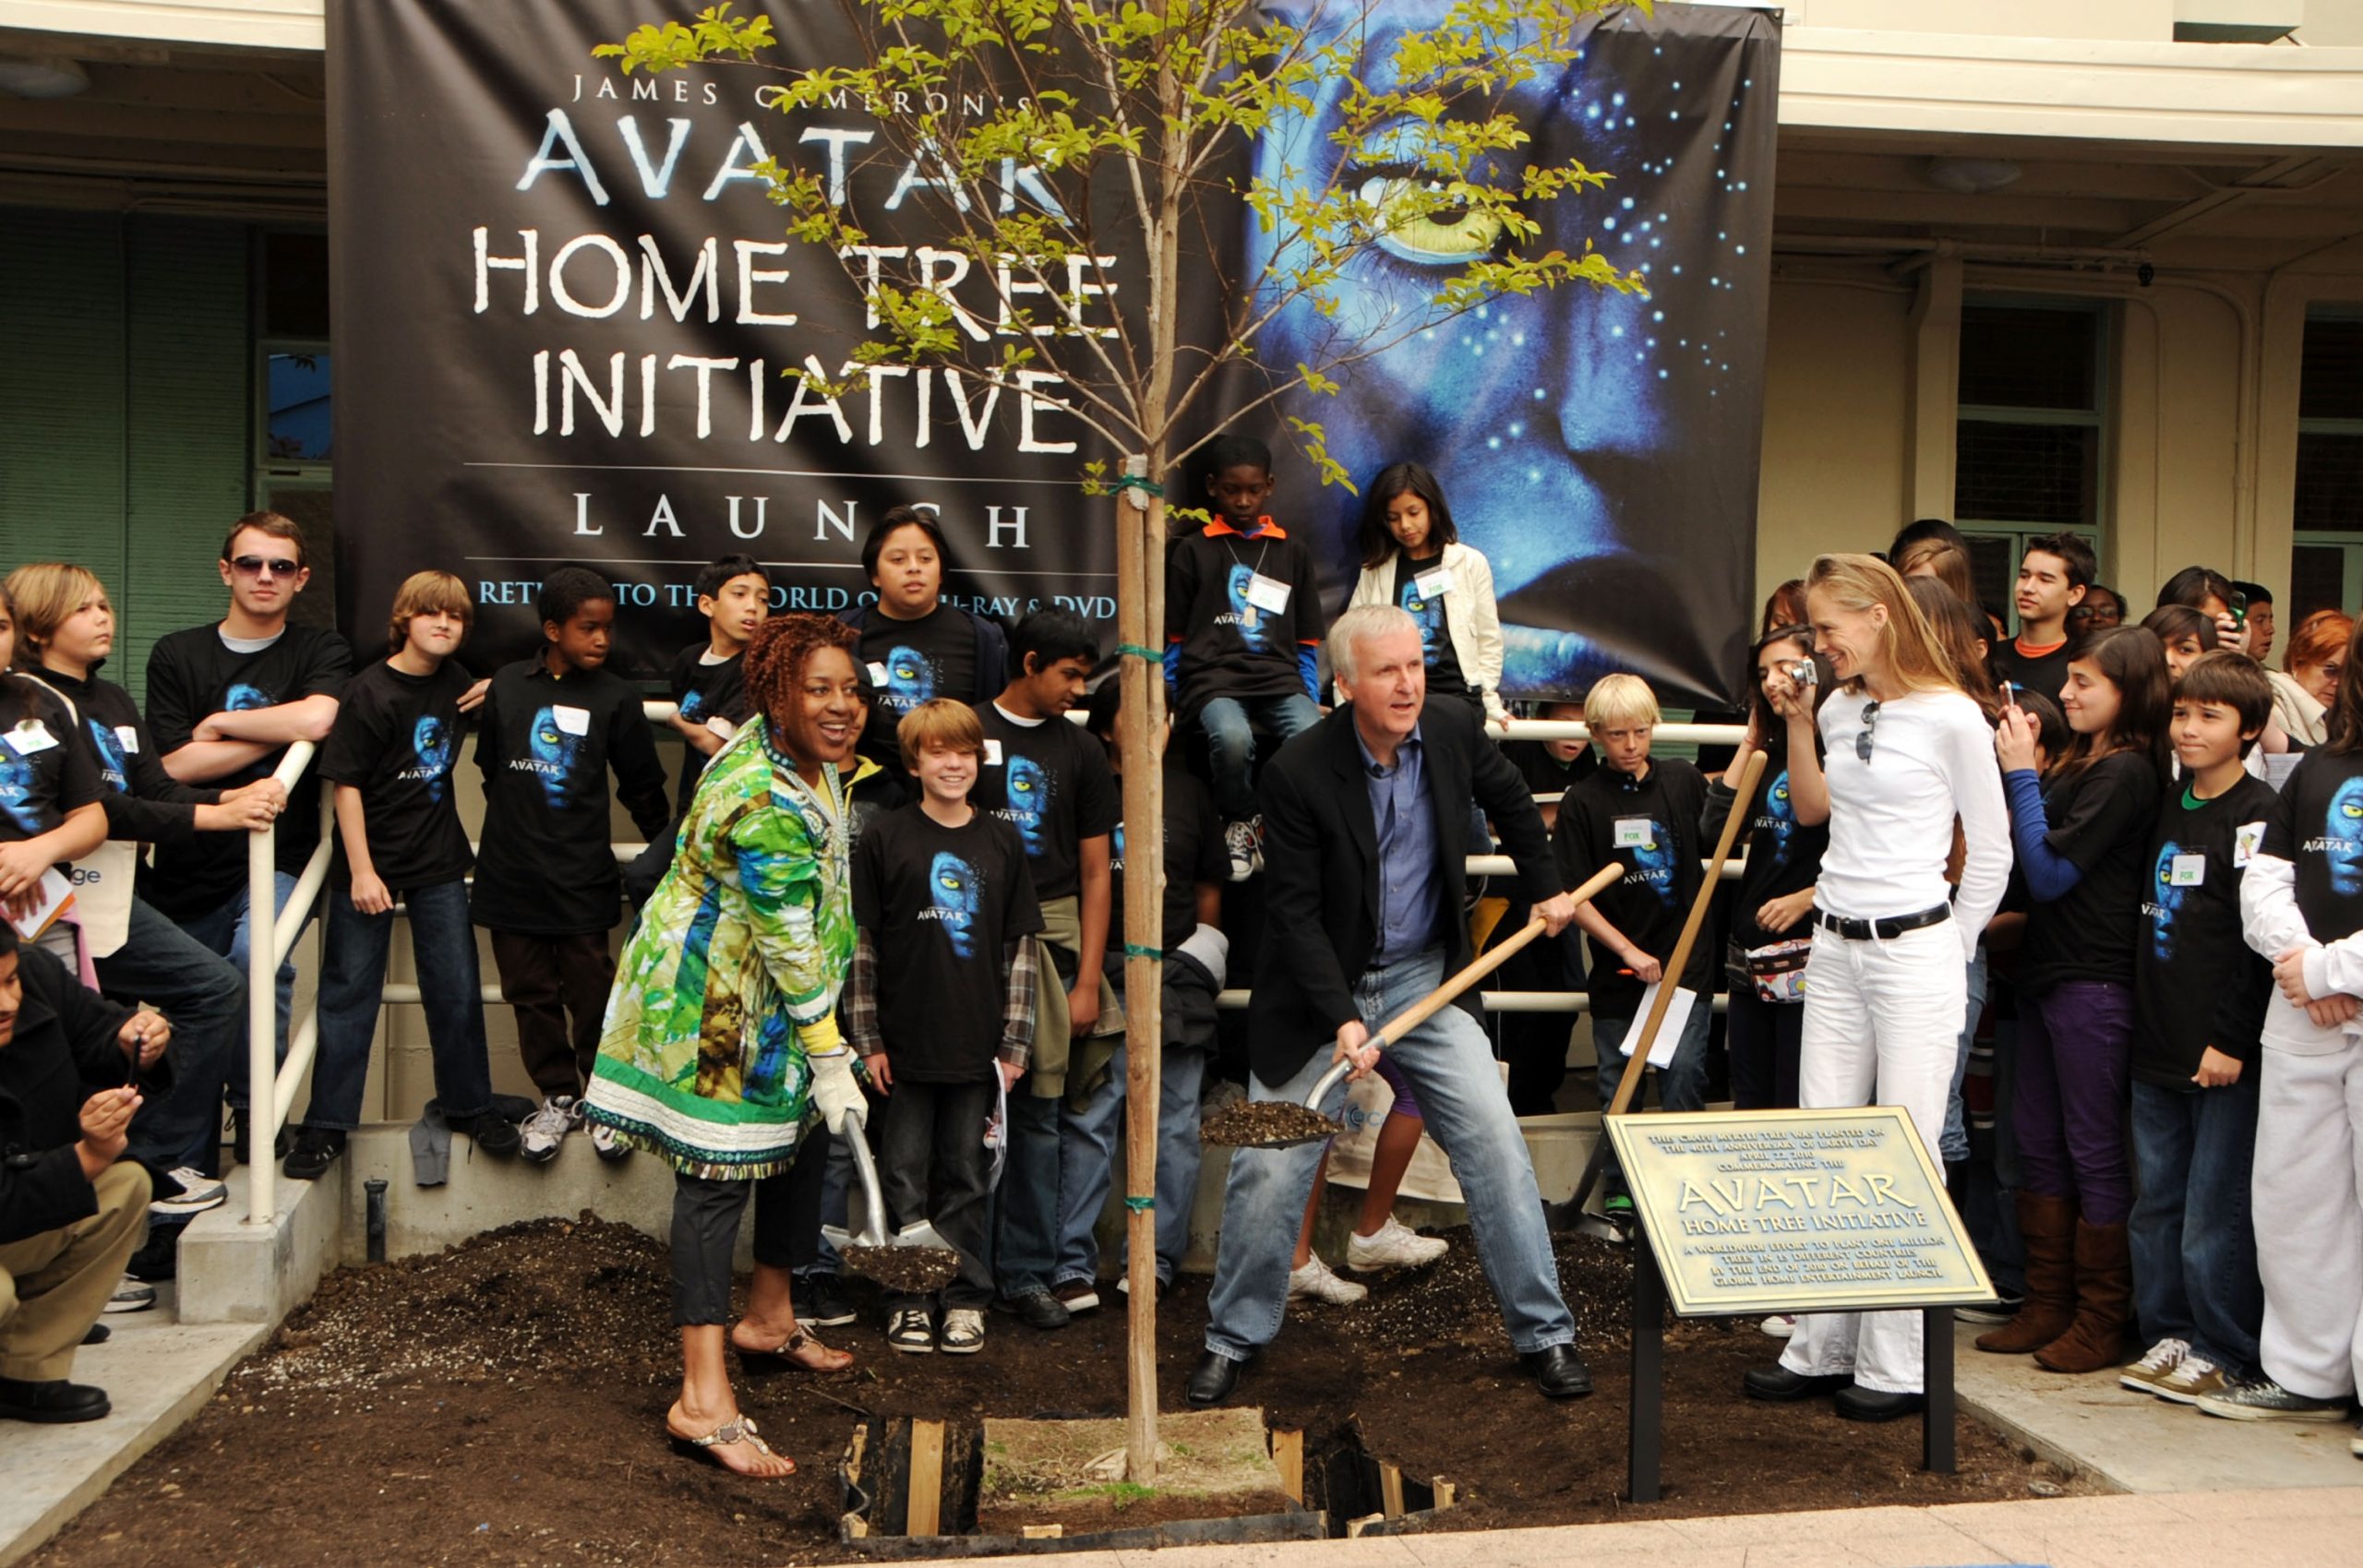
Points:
[(271, 1086)]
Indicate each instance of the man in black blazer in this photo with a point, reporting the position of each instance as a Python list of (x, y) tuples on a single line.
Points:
[(1365, 832)]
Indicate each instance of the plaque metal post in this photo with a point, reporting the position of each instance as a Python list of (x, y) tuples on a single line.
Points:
[(1937, 1378), (1647, 1429)]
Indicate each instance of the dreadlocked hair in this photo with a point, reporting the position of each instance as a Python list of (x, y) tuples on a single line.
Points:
[(780, 649)]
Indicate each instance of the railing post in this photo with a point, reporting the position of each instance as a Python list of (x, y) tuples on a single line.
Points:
[(262, 1021)]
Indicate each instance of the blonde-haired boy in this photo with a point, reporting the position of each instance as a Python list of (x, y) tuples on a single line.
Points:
[(1643, 814)]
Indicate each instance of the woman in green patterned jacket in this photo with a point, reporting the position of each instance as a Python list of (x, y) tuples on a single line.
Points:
[(721, 1037)]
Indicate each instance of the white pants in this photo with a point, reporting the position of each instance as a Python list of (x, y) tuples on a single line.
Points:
[(2308, 1197), (1882, 1019)]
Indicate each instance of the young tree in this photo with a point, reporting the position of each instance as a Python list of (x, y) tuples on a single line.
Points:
[(1080, 160)]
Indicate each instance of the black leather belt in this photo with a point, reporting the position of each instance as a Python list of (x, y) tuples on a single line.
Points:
[(1880, 930)]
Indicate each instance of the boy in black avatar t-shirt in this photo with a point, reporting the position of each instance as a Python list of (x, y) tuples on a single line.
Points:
[(391, 760), (941, 1006), (546, 885)]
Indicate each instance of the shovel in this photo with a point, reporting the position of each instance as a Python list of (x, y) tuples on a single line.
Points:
[(915, 1260), (1282, 1124), (1563, 1216)]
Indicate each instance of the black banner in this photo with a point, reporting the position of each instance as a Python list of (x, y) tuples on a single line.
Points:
[(569, 328)]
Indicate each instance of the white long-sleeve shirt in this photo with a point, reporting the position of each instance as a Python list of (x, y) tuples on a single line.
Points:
[(1891, 817)]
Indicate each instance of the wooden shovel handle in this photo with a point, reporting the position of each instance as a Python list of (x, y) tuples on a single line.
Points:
[(1442, 997), (1669, 977)]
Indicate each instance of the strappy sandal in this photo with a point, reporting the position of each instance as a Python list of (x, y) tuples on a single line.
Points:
[(784, 1354), (740, 1431)]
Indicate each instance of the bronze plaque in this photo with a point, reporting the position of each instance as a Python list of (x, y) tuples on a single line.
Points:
[(1795, 1211)]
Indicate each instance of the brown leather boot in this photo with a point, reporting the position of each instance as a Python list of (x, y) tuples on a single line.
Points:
[(2103, 1302), (2047, 1228)]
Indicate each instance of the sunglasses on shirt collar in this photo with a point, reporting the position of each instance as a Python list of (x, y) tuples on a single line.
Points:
[(1871, 726)]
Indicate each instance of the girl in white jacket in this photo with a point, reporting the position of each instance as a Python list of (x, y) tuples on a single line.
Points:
[(1412, 558)]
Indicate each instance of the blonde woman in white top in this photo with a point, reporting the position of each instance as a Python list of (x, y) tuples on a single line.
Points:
[(1906, 753), (1413, 558)]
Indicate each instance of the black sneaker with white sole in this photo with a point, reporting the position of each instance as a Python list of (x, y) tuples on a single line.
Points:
[(317, 1148), (495, 1134), (821, 1300)]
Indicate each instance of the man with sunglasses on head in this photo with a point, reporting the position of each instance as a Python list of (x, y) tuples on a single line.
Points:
[(225, 701)]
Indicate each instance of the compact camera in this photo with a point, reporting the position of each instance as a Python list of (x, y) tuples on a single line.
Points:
[(1803, 672)]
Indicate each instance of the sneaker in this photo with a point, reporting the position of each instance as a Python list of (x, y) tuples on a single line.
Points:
[(1315, 1282), (2265, 1400), (158, 1257), (1618, 1208), (2192, 1381), (1780, 1325), (1245, 844), (2144, 1375), (1075, 1295), (822, 1301), (964, 1332), (1125, 1287), (1393, 1246), (547, 1128), (317, 1148), (2355, 1445), (2002, 1310), (910, 1332), (609, 1143), (131, 1296), (1037, 1310), (495, 1134), (241, 1146), (186, 1191)]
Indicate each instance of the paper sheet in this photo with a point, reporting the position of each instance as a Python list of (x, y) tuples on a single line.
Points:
[(56, 896), (1677, 1014)]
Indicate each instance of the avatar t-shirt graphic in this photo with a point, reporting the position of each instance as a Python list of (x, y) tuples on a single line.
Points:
[(2196, 983), (1051, 783), (909, 663), (940, 907), (2319, 829), (1432, 613), (396, 740)]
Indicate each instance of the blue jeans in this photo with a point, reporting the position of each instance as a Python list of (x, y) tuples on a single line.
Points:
[(1451, 1070), (2192, 1237), (1681, 1086), (1229, 724), (1026, 1204), (352, 986), (222, 929), (1953, 1146), (1088, 1163), (205, 999)]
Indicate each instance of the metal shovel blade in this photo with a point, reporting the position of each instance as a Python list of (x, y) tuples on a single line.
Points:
[(1273, 1124), (916, 1259)]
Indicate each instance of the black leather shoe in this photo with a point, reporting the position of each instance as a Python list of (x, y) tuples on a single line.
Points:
[(52, 1403), (1039, 1309), (1214, 1378), (1859, 1404), (98, 1334), (1560, 1372), (1780, 1385)]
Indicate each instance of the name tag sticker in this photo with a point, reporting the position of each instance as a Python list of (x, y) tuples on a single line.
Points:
[(1632, 833), (721, 726), (128, 738), (2187, 870), (1434, 584), (877, 673), (573, 721), (1267, 593), (31, 736), (992, 752), (2247, 839)]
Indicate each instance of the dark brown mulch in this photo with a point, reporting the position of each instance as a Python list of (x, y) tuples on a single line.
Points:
[(504, 1402)]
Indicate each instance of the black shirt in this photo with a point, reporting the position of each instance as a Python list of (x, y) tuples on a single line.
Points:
[(1232, 647), (1433, 617), (2041, 673), (704, 692), (909, 663), (1784, 855), (1052, 782), (1658, 817), (194, 675), (143, 802), (65, 1050), (547, 867), (2195, 982), (397, 740), (941, 904), (2318, 828), (47, 768), (2101, 818), (1193, 854)]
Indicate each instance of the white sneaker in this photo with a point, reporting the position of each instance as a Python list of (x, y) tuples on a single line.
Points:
[(547, 1127), (187, 1191), (609, 1143), (964, 1332), (1393, 1246), (1243, 841), (131, 1296), (1314, 1282), (1780, 1325), (2144, 1375)]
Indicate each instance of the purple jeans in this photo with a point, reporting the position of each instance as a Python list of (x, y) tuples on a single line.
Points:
[(2074, 1043)]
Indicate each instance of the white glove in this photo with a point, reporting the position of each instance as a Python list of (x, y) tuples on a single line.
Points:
[(836, 1093)]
